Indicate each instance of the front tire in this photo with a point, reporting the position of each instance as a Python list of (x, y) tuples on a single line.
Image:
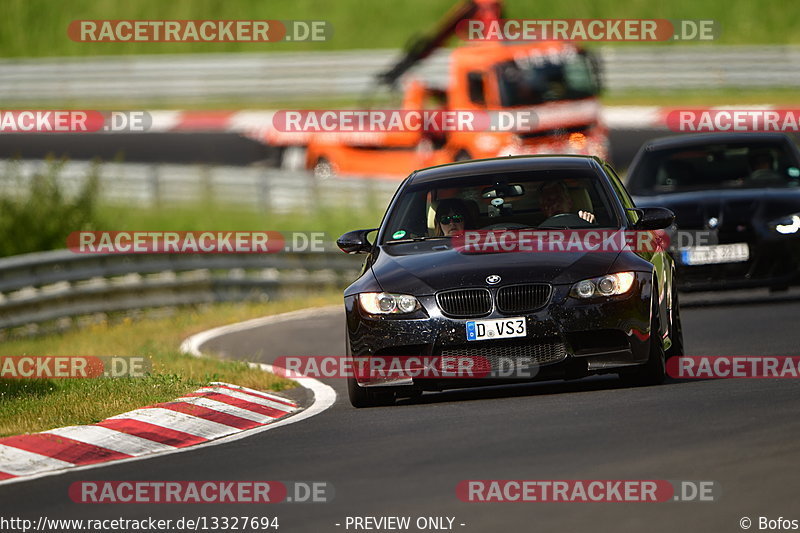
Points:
[(654, 371), (676, 328), (364, 397)]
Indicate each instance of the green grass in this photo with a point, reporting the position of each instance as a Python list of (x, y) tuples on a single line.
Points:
[(38, 28), (38, 405), (333, 222), (699, 97)]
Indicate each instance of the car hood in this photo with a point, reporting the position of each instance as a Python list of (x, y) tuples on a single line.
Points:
[(731, 208), (397, 270)]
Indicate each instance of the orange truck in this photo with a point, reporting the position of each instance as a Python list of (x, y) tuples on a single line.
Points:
[(557, 83)]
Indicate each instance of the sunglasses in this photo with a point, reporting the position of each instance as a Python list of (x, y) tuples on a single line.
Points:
[(456, 219)]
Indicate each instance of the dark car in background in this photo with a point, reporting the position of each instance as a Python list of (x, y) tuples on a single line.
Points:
[(574, 313), (736, 199)]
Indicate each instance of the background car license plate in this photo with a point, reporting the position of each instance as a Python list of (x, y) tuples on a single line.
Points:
[(502, 328), (720, 253)]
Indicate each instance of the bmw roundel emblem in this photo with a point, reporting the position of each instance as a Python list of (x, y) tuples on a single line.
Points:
[(713, 222), (494, 279)]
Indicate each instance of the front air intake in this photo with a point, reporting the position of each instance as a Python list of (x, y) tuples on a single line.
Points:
[(465, 303), (523, 298)]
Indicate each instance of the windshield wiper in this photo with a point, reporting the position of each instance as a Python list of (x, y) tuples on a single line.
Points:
[(419, 239)]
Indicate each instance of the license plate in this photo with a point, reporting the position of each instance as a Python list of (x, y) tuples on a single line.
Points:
[(501, 328), (719, 253)]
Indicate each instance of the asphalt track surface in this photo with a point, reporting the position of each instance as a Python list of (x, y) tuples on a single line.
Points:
[(406, 460)]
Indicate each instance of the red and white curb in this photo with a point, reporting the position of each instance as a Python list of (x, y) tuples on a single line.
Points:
[(212, 415), (204, 415)]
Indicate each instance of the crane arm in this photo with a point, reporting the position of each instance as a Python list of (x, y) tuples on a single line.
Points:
[(421, 47)]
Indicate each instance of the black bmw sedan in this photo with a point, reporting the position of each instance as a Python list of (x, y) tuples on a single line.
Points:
[(438, 293), (736, 199)]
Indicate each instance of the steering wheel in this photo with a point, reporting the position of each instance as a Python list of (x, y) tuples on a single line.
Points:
[(506, 225), (562, 220)]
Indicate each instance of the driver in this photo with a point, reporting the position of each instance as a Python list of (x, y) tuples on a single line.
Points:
[(555, 200), (451, 217)]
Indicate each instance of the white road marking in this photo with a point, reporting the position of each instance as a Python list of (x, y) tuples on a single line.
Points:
[(227, 409), (169, 419), (251, 392), (111, 439), (24, 463), (260, 401)]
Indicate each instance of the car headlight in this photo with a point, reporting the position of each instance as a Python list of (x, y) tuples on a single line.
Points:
[(609, 285), (384, 303), (787, 225)]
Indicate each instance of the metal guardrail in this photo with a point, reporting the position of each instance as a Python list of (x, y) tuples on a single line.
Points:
[(286, 76), (55, 287), (268, 189)]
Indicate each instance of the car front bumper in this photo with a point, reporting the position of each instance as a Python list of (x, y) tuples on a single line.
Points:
[(773, 262), (569, 338)]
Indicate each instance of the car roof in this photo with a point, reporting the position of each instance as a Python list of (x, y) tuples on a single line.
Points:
[(694, 139), (505, 164)]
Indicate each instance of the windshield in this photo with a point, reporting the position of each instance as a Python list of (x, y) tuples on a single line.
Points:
[(530, 80), (716, 166), (541, 199)]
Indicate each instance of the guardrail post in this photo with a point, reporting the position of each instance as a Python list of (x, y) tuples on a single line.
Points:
[(314, 188), (207, 185), (155, 185), (265, 192)]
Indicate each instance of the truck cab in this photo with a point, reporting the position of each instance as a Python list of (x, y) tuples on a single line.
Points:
[(555, 85)]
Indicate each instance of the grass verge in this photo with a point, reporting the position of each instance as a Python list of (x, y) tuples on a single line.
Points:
[(219, 217), (37, 28), (705, 97), (38, 405)]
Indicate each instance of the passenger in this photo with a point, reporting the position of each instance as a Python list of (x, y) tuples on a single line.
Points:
[(761, 165), (555, 200), (452, 217)]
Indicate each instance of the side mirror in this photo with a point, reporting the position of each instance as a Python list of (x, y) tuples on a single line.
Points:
[(355, 242), (655, 218)]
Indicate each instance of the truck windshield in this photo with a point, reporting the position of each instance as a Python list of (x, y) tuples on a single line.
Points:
[(531, 80)]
